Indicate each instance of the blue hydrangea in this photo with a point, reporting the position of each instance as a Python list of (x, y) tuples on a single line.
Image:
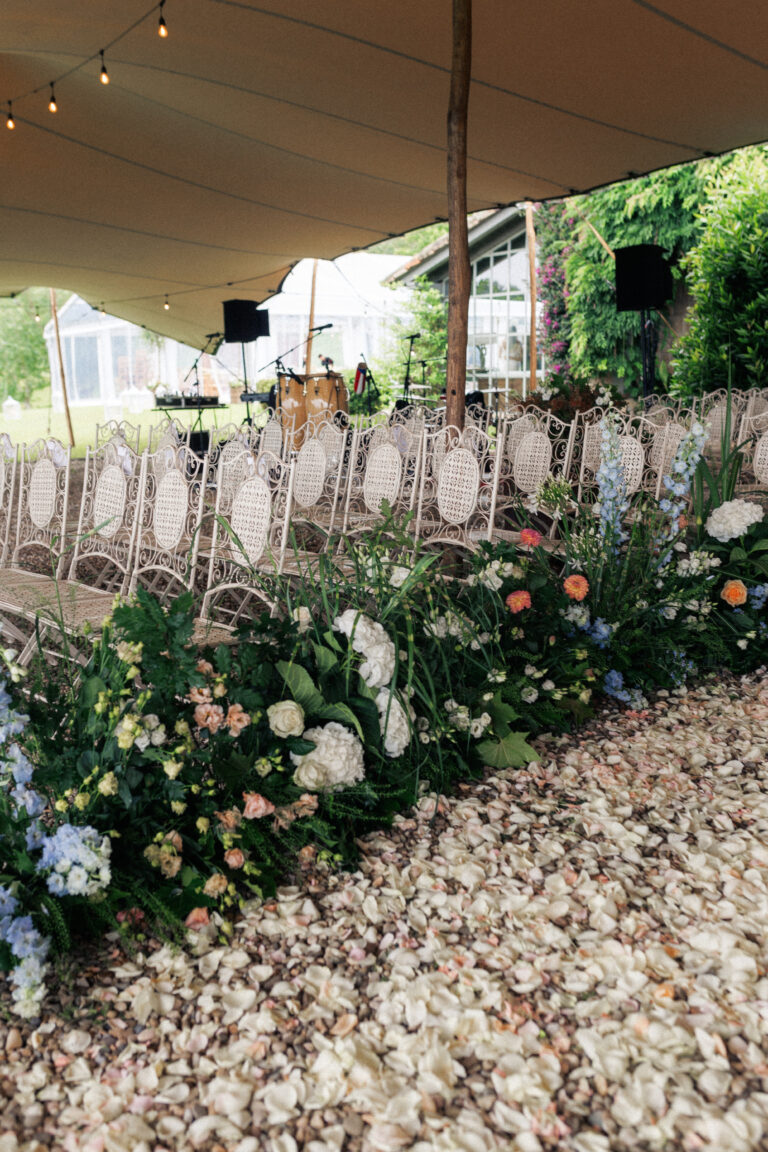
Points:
[(600, 632), (78, 860), (758, 596)]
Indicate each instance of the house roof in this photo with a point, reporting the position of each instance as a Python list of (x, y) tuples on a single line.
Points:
[(488, 231), (263, 131)]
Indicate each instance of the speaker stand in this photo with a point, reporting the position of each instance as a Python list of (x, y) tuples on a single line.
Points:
[(248, 420), (648, 343)]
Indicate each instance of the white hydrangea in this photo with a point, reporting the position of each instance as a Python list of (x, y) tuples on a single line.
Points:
[(372, 642), (733, 519), (335, 762), (395, 729)]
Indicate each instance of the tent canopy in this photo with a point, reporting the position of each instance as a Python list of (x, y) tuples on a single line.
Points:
[(255, 135)]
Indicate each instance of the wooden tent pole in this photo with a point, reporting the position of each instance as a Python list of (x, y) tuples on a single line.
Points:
[(308, 361), (459, 271), (62, 376), (530, 233)]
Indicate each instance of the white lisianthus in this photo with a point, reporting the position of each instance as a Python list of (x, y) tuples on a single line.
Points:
[(733, 519), (172, 768), (372, 642), (398, 576), (335, 762), (529, 695), (393, 721), (107, 786), (286, 718), (303, 618)]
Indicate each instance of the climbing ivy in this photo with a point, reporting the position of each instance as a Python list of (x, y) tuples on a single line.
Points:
[(728, 276)]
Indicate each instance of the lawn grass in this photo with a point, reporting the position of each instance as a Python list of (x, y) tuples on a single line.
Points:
[(37, 422)]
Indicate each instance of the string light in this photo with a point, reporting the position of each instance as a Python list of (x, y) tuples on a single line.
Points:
[(101, 309), (166, 305), (162, 27), (37, 316), (52, 105), (104, 75), (9, 120)]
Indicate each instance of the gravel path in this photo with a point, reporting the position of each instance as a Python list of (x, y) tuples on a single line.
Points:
[(569, 957)]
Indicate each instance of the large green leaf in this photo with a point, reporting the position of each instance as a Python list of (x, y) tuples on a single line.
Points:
[(510, 752), (326, 660), (301, 686), (343, 713)]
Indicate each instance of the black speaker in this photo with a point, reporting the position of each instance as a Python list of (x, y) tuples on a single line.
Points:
[(244, 322), (643, 278)]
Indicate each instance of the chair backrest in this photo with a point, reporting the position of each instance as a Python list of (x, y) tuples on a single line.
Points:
[(172, 502), (120, 428), (381, 467), (41, 523), (169, 433), (9, 455), (250, 535), (458, 482), (106, 531)]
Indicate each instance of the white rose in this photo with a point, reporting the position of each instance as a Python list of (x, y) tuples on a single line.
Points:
[(393, 721), (335, 762), (286, 718)]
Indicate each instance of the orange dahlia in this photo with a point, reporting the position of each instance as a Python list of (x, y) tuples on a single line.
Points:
[(734, 593), (576, 587), (516, 601), (530, 538)]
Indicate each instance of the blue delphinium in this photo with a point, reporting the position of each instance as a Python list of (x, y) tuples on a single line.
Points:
[(611, 484), (678, 482), (77, 859)]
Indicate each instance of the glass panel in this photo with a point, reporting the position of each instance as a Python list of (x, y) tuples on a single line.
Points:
[(121, 362), (86, 374)]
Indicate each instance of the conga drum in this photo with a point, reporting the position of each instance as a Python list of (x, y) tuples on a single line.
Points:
[(291, 409), (325, 395)]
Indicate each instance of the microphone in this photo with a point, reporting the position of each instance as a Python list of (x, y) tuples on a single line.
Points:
[(415, 336), (321, 327), (212, 335)]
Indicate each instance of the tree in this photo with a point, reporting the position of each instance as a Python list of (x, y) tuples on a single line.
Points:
[(728, 275), (23, 355), (425, 313)]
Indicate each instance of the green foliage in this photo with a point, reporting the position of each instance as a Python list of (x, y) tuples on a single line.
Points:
[(728, 276), (657, 209), (411, 243), (23, 356), (426, 313)]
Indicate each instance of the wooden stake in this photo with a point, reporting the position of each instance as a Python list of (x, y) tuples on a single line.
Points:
[(308, 363), (530, 233), (459, 271), (62, 375)]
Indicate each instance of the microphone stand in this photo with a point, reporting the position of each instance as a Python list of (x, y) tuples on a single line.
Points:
[(370, 383), (407, 382)]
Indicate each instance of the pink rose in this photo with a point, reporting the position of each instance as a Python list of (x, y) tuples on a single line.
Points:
[(210, 716), (234, 858), (197, 918), (256, 806), (237, 719)]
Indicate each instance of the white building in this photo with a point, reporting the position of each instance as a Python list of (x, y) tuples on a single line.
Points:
[(112, 362)]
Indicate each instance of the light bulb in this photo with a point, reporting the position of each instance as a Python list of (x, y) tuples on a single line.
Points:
[(52, 105), (162, 28), (9, 121), (104, 75), (37, 317), (166, 305)]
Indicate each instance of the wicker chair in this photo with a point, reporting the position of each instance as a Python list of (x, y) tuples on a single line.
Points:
[(250, 537), (9, 455), (118, 428), (458, 481), (170, 518), (102, 557)]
